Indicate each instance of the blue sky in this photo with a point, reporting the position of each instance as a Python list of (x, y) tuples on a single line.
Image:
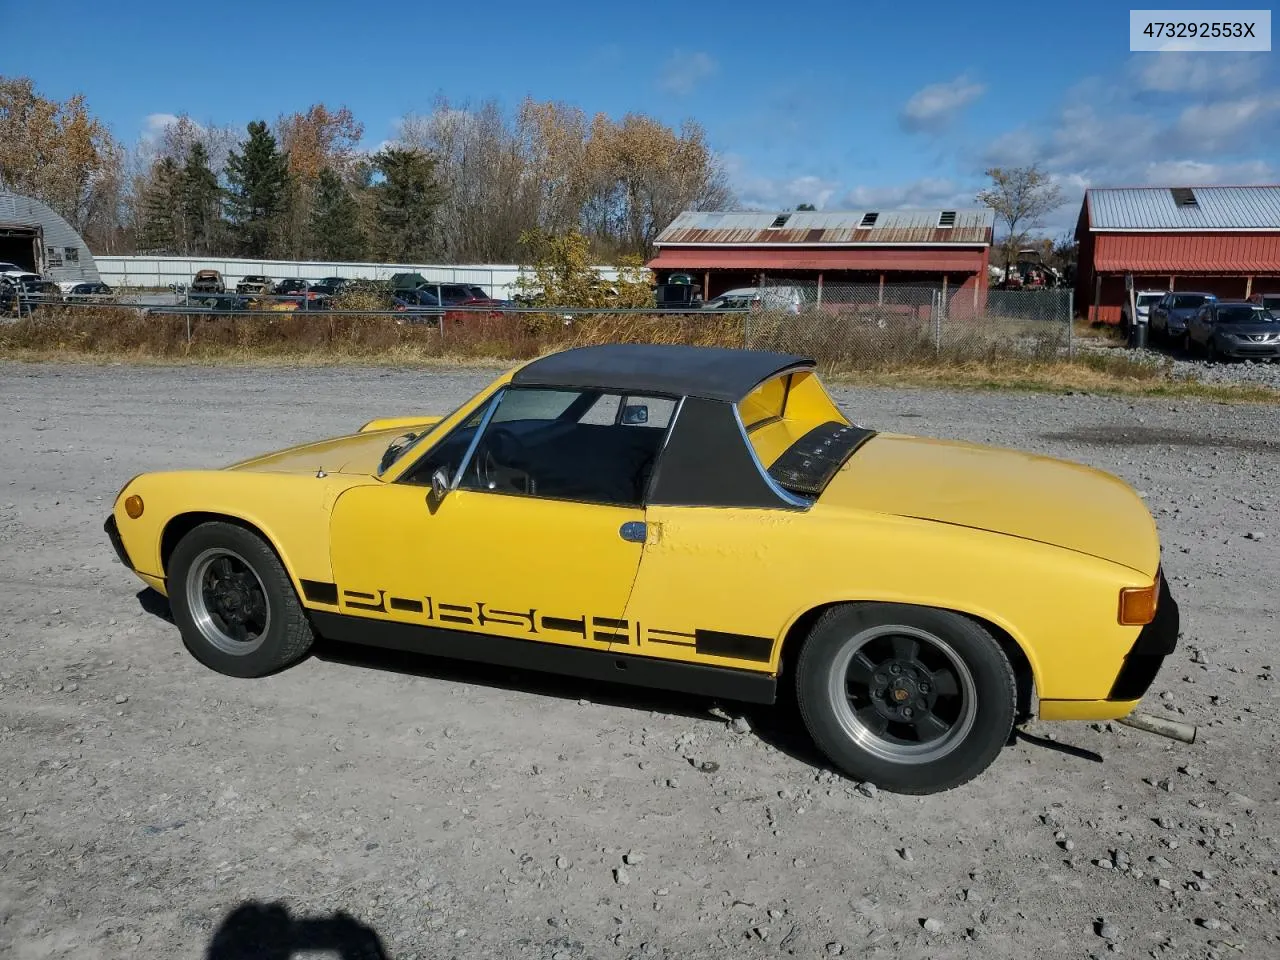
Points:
[(847, 105)]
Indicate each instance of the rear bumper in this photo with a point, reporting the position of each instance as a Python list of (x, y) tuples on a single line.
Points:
[(1156, 641), (113, 534)]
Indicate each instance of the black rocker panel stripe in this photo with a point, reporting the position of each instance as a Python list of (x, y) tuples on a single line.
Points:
[(713, 643), (732, 684), (319, 592)]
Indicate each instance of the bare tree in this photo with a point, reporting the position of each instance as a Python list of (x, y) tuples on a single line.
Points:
[(1020, 198)]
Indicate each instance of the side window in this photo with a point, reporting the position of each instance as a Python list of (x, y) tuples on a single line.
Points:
[(448, 453), (585, 445)]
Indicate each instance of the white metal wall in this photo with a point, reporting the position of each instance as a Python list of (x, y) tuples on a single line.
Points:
[(498, 279)]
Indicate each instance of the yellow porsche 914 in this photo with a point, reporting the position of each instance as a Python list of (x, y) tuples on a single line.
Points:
[(698, 519)]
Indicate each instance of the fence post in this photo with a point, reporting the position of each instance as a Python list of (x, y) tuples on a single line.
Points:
[(937, 321), (1071, 323), (188, 329), (746, 330)]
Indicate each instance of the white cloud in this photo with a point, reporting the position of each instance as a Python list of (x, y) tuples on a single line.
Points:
[(684, 72), (1210, 124), (155, 124), (1194, 172), (1192, 73), (933, 107), (924, 192), (776, 193)]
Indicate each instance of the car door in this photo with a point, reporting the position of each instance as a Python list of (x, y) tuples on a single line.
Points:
[(535, 534), (1158, 313)]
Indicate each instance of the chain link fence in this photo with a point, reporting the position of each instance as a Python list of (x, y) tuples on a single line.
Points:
[(849, 326), (875, 325)]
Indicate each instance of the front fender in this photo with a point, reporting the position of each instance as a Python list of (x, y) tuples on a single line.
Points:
[(290, 511)]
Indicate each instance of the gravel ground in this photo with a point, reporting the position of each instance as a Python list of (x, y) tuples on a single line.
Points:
[(463, 811), (1263, 373)]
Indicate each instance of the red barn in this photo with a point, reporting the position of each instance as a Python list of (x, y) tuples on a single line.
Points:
[(1221, 240), (945, 249)]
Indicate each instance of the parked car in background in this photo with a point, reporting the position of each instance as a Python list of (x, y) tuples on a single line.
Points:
[(291, 285), (1168, 316), (1271, 301), (13, 271), (421, 306), (255, 284), (86, 292), (336, 284), (459, 294), (1144, 300), (1233, 328), (787, 299), (207, 281)]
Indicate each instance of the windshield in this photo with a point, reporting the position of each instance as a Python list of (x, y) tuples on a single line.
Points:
[(1242, 315), (1189, 300)]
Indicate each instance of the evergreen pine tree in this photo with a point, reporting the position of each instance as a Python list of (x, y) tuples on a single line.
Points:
[(335, 221), (404, 203), (200, 202), (258, 183), (158, 232)]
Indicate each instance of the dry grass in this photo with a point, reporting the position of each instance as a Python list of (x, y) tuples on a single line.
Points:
[(991, 355)]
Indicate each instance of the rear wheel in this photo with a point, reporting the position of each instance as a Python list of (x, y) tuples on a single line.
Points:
[(234, 604), (912, 699)]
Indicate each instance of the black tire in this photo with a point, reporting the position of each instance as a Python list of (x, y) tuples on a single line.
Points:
[(260, 602), (980, 715)]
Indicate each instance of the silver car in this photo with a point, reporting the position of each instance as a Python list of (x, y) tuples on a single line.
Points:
[(1169, 314), (1234, 328)]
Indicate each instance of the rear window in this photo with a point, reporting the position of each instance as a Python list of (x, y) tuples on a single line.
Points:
[(1146, 299)]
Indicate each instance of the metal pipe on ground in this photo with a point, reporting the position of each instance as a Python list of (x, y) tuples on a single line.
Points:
[(1160, 726)]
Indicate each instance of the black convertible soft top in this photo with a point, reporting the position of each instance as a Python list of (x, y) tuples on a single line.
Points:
[(708, 373)]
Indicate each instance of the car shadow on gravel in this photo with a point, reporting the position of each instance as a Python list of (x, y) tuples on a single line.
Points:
[(779, 725), (266, 931)]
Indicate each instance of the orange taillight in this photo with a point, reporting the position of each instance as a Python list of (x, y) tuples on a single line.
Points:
[(1138, 604), (133, 506)]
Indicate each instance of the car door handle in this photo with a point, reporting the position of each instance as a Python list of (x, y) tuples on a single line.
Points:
[(634, 531)]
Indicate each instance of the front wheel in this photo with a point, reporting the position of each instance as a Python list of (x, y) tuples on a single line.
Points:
[(234, 604), (913, 699)]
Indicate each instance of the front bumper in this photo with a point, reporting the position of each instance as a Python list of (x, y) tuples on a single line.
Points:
[(1245, 349), (1155, 642), (113, 534)]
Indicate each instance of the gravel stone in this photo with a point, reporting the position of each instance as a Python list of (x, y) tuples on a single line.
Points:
[(740, 725), (931, 925), (868, 789)]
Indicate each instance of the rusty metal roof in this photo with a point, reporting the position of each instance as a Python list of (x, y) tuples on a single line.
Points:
[(818, 228), (1184, 208)]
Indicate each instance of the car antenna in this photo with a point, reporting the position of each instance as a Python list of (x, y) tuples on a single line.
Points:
[(320, 473)]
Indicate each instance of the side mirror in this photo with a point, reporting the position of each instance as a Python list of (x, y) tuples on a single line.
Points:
[(635, 415), (439, 488)]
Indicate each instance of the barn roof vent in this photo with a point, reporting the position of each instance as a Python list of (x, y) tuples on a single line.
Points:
[(1183, 196), (868, 221), (780, 221), (947, 218)]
